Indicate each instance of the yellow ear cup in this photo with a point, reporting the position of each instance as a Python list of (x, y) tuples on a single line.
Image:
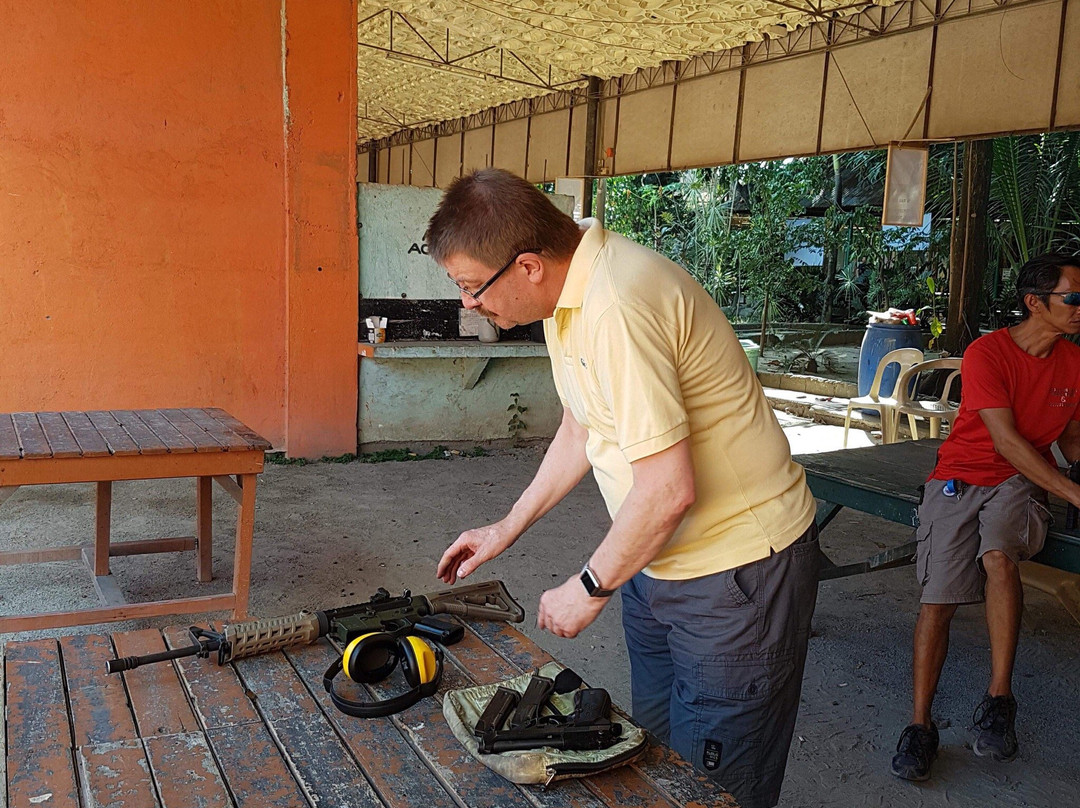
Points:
[(420, 665), (370, 657)]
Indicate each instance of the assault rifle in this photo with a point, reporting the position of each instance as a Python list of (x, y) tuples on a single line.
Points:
[(408, 613)]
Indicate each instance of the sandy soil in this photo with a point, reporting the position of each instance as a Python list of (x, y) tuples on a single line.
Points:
[(328, 534)]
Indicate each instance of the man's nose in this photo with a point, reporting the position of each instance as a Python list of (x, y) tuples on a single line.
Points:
[(469, 302)]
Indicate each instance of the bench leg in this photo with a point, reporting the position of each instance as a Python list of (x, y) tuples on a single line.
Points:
[(102, 528), (204, 528), (245, 530)]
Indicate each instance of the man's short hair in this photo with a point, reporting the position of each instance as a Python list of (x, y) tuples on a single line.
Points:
[(491, 214), (1040, 275)]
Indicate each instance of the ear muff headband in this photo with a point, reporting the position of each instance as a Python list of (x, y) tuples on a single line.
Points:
[(421, 664)]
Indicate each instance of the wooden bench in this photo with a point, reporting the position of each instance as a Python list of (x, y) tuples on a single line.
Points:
[(262, 733), (103, 447)]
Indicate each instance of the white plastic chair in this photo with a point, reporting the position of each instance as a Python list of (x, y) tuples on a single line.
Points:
[(905, 358), (934, 410)]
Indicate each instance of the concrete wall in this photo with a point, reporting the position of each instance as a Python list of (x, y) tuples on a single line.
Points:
[(177, 220), (403, 400)]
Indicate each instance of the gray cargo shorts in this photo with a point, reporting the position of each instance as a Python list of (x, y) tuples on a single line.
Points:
[(955, 531)]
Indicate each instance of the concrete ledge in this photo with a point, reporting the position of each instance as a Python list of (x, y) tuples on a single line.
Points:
[(815, 385), (450, 349)]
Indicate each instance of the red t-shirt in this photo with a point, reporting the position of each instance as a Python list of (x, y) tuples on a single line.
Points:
[(1044, 395)]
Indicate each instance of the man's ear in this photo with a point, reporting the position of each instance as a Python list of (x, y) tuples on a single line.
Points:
[(1034, 303), (533, 265)]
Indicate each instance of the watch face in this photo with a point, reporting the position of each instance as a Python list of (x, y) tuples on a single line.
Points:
[(589, 580)]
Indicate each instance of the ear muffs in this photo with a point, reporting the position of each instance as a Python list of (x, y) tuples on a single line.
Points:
[(372, 657)]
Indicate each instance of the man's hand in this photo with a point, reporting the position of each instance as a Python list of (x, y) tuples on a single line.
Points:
[(473, 548), (566, 610)]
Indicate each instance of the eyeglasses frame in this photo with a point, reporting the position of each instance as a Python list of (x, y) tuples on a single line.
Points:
[(476, 295)]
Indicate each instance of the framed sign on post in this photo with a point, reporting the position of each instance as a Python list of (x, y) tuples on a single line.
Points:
[(905, 185)]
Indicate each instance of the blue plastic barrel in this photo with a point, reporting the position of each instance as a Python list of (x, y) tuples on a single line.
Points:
[(879, 339)]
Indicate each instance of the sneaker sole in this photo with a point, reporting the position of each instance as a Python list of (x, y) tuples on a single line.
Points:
[(996, 756), (911, 777)]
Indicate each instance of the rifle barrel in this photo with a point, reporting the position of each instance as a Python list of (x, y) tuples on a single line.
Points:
[(130, 663)]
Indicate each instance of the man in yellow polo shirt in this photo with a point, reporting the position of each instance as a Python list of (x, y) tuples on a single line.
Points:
[(712, 543)]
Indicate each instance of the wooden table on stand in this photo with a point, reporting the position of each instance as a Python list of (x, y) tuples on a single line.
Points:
[(261, 733), (104, 447), (884, 481)]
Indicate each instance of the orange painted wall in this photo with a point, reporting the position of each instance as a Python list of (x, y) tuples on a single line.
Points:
[(147, 179)]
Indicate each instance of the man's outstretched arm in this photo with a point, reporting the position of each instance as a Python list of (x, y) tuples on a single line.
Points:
[(1011, 445), (562, 468), (662, 493)]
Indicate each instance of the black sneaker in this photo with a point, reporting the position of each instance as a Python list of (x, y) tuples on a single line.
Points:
[(915, 751), (995, 728)]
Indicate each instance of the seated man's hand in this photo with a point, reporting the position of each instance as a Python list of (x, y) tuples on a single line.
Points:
[(566, 610), (473, 548)]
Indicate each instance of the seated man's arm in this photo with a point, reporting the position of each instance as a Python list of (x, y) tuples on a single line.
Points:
[(662, 493), (1069, 442), (1011, 445)]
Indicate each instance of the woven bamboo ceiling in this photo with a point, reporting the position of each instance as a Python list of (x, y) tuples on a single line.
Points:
[(423, 61)]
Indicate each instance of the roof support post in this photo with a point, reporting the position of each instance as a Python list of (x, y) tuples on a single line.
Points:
[(967, 249), (592, 134)]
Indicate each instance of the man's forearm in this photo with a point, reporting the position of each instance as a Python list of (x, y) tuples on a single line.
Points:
[(563, 467), (1023, 457)]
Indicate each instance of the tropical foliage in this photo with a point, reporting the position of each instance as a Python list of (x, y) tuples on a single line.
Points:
[(802, 237)]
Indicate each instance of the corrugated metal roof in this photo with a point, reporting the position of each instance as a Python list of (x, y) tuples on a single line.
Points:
[(539, 44)]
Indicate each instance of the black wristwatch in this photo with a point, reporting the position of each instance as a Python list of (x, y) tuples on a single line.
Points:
[(592, 584)]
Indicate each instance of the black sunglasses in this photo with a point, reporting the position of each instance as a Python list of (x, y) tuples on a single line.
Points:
[(1068, 298), (476, 295)]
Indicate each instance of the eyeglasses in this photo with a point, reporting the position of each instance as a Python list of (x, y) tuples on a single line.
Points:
[(1068, 298), (476, 295)]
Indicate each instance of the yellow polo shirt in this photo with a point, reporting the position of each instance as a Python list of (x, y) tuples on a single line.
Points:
[(644, 358)]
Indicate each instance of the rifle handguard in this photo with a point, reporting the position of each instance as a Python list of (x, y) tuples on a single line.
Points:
[(253, 637)]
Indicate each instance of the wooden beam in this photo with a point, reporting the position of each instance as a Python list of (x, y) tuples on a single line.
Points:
[(592, 123), (86, 617), (230, 485), (968, 248)]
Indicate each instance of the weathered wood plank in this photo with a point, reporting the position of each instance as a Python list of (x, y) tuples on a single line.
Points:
[(185, 772), (391, 764), (666, 770), (99, 705), (321, 763), (156, 693), (116, 775), (39, 760), (147, 442), (61, 441), (218, 697), (172, 437), (9, 441), (426, 729), (32, 442), (224, 437), (120, 443), (91, 444), (254, 769), (254, 439), (200, 438), (194, 432)]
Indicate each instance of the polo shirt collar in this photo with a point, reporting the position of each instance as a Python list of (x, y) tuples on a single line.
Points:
[(581, 264)]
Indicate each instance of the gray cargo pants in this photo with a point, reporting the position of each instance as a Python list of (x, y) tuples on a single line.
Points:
[(716, 665)]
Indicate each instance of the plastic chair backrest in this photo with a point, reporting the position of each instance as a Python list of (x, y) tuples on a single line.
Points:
[(903, 398), (904, 357)]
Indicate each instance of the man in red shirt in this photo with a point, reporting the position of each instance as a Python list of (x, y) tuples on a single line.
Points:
[(984, 507)]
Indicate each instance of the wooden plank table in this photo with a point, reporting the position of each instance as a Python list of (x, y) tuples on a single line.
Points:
[(884, 481), (104, 447), (262, 733)]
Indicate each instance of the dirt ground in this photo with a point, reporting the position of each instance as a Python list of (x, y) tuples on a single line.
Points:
[(329, 534)]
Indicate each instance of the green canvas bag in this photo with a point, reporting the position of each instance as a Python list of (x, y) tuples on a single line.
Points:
[(462, 708)]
